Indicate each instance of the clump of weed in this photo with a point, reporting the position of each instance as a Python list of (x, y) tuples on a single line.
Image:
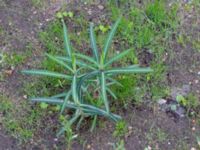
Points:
[(121, 129)]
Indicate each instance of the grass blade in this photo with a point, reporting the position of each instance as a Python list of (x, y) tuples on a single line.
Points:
[(103, 90), (46, 73), (93, 42), (110, 37), (66, 39), (117, 57), (65, 101)]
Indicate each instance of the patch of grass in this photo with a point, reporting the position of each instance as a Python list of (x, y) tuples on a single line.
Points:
[(120, 129), (1, 31), (196, 45), (130, 91), (38, 3), (12, 60), (190, 102), (8, 62), (156, 136), (148, 32), (20, 122), (120, 145)]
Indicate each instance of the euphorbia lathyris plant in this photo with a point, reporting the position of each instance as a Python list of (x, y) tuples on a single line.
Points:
[(84, 72)]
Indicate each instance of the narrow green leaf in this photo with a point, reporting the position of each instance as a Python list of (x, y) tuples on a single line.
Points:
[(133, 66), (83, 79), (114, 81), (101, 112), (75, 116), (48, 100), (59, 62), (110, 37), (66, 39), (94, 122), (93, 42), (111, 93), (128, 70), (89, 59), (78, 62), (103, 91), (79, 123), (117, 57), (46, 73), (65, 101), (59, 95), (61, 131), (74, 90)]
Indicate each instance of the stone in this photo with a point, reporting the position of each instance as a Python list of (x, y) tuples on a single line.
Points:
[(100, 7), (162, 101)]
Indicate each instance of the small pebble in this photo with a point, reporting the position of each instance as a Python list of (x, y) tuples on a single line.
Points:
[(130, 128), (196, 81), (162, 101), (100, 7), (88, 146), (149, 147), (89, 12), (8, 72), (25, 96)]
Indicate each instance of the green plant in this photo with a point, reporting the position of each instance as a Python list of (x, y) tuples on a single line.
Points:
[(18, 124), (190, 102), (64, 14), (85, 74), (119, 145), (103, 28), (120, 129), (67, 129)]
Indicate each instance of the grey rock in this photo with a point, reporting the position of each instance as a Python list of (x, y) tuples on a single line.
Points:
[(162, 101), (179, 112)]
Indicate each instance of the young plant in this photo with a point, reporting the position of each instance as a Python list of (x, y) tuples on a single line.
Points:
[(83, 72), (101, 66)]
